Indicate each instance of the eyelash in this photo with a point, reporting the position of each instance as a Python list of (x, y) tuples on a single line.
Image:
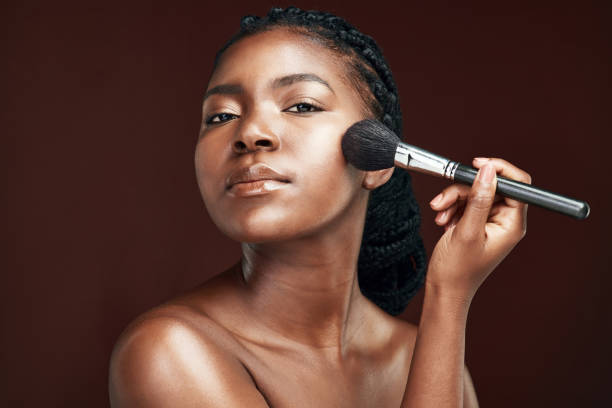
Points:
[(315, 108)]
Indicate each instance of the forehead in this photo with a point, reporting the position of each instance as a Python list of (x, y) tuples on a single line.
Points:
[(271, 54)]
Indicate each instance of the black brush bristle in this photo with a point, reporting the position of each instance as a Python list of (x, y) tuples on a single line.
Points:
[(370, 145)]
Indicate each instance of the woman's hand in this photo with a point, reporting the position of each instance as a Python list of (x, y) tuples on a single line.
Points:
[(481, 228)]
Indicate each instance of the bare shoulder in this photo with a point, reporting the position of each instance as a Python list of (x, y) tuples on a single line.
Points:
[(406, 329), (404, 337), (166, 357), (397, 332)]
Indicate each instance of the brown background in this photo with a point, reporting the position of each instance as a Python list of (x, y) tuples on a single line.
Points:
[(104, 217)]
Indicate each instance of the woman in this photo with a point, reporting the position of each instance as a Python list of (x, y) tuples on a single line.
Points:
[(295, 324)]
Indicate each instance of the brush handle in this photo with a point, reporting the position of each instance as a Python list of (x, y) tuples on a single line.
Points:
[(528, 193)]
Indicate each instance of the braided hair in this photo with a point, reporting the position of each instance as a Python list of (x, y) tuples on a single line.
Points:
[(392, 260)]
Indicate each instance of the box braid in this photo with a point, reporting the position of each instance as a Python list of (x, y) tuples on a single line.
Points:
[(392, 260)]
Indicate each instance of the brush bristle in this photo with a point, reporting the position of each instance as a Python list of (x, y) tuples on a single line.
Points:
[(370, 145)]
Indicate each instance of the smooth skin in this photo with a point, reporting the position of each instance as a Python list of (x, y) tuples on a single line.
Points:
[(289, 326)]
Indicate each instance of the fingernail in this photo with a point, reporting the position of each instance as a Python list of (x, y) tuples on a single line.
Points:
[(488, 173), (440, 218), (480, 159), (436, 199)]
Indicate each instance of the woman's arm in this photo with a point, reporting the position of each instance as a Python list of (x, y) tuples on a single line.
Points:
[(436, 373), (480, 232)]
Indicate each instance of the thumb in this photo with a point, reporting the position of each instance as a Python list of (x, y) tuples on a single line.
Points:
[(472, 224)]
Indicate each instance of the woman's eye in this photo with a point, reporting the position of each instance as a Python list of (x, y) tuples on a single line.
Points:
[(303, 108), (219, 118)]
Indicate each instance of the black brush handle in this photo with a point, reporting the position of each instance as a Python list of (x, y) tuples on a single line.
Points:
[(528, 194)]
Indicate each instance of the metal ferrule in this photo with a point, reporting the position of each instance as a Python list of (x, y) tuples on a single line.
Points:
[(415, 158)]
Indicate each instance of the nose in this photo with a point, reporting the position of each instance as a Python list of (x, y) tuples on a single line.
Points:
[(254, 135)]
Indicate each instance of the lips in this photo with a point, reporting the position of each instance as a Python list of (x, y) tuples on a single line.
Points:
[(254, 180)]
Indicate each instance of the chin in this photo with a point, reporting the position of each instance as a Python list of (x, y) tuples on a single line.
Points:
[(261, 225)]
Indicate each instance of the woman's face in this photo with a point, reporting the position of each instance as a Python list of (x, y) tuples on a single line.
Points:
[(268, 161)]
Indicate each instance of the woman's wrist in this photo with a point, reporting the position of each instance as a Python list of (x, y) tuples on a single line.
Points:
[(449, 301)]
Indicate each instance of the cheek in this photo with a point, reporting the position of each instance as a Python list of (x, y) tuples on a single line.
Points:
[(208, 160), (327, 184), (331, 192), (320, 160)]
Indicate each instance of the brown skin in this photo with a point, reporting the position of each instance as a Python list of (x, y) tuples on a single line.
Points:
[(289, 327)]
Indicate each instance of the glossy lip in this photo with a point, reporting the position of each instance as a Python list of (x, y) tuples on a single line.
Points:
[(255, 180)]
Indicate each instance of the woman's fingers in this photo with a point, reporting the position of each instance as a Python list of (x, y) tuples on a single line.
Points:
[(455, 219), (449, 196), (509, 214), (512, 216), (450, 200), (507, 170), (471, 226), (504, 168), (444, 216)]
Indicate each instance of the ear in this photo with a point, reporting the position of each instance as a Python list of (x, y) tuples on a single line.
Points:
[(376, 178)]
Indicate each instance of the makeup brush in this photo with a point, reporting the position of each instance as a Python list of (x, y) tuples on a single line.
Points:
[(370, 145)]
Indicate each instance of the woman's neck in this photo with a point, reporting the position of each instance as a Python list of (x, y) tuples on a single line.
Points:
[(306, 290)]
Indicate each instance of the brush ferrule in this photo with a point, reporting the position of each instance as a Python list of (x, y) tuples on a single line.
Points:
[(415, 158)]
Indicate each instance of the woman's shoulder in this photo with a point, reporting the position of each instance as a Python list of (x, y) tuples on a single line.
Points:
[(394, 335), (184, 316), (166, 325), (180, 320), (176, 351)]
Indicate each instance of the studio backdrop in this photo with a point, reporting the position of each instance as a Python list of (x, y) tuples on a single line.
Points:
[(103, 219)]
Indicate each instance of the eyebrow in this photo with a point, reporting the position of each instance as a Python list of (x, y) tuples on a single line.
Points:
[(225, 89), (234, 89), (291, 79)]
